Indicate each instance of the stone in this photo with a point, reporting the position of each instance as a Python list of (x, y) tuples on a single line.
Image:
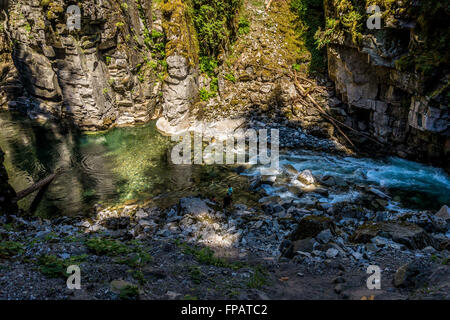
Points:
[(290, 169), (306, 245), (311, 226), (194, 207), (270, 180), (410, 275), (411, 235), (306, 177), (429, 250), (328, 181), (118, 285), (332, 253), (444, 213), (324, 236)]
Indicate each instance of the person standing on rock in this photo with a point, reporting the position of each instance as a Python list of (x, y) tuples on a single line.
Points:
[(228, 200)]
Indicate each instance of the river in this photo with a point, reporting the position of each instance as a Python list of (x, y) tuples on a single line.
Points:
[(126, 165)]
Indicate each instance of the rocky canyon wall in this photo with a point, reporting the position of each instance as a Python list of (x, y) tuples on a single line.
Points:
[(106, 73), (393, 82)]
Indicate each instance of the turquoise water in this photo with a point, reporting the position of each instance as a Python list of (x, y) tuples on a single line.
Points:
[(123, 165), (132, 164), (419, 186)]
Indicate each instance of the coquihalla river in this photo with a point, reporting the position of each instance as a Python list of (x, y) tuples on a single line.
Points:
[(131, 164)]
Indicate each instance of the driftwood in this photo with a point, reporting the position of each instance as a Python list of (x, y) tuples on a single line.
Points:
[(45, 182), (331, 119), (334, 121)]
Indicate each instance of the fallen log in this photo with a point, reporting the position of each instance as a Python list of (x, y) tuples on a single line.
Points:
[(305, 93), (334, 121), (22, 194)]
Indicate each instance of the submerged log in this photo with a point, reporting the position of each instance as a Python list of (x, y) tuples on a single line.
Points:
[(35, 187)]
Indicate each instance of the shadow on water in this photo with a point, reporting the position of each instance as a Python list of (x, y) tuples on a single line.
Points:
[(123, 165)]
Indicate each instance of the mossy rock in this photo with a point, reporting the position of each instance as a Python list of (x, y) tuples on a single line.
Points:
[(179, 31), (410, 235)]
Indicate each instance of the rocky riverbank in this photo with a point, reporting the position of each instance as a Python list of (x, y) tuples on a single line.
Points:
[(275, 250)]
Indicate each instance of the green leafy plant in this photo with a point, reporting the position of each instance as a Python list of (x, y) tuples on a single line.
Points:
[(243, 26), (9, 249), (53, 267), (129, 292), (108, 247), (230, 77), (258, 279), (206, 256)]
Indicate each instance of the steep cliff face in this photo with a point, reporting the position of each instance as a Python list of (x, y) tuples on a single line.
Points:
[(393, 82), (180, 88), (7, 193), (104, 74)]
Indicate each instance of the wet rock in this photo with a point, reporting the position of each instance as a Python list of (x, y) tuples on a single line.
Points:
[(290, 169), (270, 180), (306, 177), (255, 183), (412, 236), (328, 181), (311, 226)]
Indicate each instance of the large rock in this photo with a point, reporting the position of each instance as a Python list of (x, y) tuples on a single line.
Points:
[(311, 226), (180, 88), (306, 177), (410, 275), (393, 104), (411, 235), (97, 81), (444, 214), (194, 207)]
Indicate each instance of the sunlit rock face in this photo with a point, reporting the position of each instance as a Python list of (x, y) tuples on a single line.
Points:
[(101, 75), (404, 107), (180, 88), (7, 193)]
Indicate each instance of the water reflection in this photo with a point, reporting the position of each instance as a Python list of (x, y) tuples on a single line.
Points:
[(108, 168)]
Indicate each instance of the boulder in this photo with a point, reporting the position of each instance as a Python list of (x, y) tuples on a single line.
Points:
[(306, 177), (332, 253), (444, 215), (311, 226), (194, 207), (328, 181), (410, 275), (411, 235), (325, 236), (290, 169)]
